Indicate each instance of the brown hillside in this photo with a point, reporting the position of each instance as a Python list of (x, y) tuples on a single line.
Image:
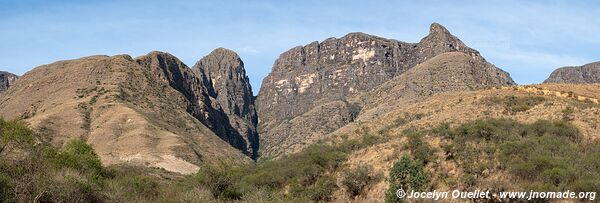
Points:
[(129, 113), (458, 108)]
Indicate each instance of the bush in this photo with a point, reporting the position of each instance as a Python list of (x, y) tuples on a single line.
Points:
[(14, 134), (322, 189), (406, 174), (514, 104), (545, 155), (355, 180), (80, 156), (419, 148), (223, 180)]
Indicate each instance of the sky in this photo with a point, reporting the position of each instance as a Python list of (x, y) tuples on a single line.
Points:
[(528, 39)]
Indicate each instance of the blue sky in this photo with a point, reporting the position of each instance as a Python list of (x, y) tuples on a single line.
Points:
[(528, 39)]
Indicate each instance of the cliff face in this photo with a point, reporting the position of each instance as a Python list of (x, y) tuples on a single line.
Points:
[(6, 80), (151, 111), (309, 76), (226, 81), (203, 103), (589, 73)]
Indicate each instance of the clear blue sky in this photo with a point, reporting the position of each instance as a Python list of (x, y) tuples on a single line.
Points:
[(528, 39)]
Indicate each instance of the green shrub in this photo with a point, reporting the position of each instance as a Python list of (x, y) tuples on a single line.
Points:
[(544, 155), (420, 149), (514, 104), (14, 134), (223, 180), (322, 189), (355, 180), (406, 174), (80, 156)]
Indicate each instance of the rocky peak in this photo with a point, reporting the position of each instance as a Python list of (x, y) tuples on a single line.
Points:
[(6, 80), (200, 104), (589, 73), (440, 40), (226, 81), (337, 69)]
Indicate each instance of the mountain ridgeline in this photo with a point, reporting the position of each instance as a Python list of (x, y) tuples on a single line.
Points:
[(156, 111), (588, 73), (327, 80)]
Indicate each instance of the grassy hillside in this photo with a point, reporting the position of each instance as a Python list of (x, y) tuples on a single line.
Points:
[(496, 139)]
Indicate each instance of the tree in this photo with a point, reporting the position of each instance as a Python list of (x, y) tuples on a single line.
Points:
[(406, 174), (14, 134)]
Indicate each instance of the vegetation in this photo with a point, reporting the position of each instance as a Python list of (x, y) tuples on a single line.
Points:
[(544, 155), (513, 104), (406, 174), (418, 148), (401, 120), (75, 174), (541, 156), (356, 179)]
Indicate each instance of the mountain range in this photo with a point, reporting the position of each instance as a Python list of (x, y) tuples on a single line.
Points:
[(155, 111)]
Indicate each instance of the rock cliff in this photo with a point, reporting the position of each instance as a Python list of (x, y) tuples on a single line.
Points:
[(337, 70), (589, 73), (226, 81), (6, 80)]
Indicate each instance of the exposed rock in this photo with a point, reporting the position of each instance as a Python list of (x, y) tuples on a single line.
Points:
[(338, 69), (152, 111), (452, 71), (295, 134), (201, 105), (589, 73), (226, 80), (6, 80)]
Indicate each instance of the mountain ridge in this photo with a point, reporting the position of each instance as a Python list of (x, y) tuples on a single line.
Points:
[(588, 73), (318, 73)]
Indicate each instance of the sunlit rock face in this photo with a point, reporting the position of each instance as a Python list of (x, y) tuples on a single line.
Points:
[(336, 69)]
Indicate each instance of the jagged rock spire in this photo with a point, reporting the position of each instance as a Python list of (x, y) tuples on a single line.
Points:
[(228, 83)]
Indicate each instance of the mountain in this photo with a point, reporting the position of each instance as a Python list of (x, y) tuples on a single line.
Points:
[(151, 111), (589, 73), (336, 71), (226, 81), (6, 80)]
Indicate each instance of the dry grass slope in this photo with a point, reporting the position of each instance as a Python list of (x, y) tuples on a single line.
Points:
[(127, 113)]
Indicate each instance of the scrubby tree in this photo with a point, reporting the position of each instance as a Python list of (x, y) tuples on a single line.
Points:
[(406, 174)]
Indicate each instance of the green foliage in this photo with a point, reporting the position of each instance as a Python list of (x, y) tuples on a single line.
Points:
[(545, 155), (223, 180), (406, 174), (304, 167), (514, 104), (80, 156), (73, 174), (321, 190), (14, 134), (420, 149), (355, 180)]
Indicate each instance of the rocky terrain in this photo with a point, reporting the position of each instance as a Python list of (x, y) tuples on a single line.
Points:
[(335, 121), (225, 78), (152, 110), (6, 80), (339, 70), (588, 73)]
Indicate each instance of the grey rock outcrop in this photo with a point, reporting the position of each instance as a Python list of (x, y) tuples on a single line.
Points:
[(226, 80), (589, 73), (338, 69), (201, 104), (6, 80)]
